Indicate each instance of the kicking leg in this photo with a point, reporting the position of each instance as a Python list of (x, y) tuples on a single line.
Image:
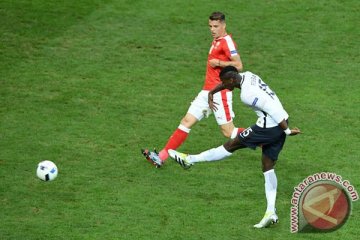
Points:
[(213, 154)]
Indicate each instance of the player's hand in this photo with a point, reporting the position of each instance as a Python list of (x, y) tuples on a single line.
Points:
[(295, 131), (212, 104), (214, 63)]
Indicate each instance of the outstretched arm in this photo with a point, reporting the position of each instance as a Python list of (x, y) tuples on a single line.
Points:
[(283, 124), (278, 115)]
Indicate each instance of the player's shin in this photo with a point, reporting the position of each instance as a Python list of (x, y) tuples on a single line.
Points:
[(176, 139), (270, 189), (213, 154)]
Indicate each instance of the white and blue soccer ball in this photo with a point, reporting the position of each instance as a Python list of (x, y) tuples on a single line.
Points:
[(46, 170)]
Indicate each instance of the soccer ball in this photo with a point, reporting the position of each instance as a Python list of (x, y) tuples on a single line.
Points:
[(46, 170)]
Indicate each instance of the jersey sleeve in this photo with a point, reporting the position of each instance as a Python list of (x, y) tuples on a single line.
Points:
[(230, 47)]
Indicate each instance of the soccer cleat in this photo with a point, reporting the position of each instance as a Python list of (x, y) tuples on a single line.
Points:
[(269, 218), (152, 157), (180, 158)]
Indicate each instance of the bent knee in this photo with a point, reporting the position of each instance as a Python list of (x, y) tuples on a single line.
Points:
[(188, 121), (226, 132), (267, 163), (227, 129)]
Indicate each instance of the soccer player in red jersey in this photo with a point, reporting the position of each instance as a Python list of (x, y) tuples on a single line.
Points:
[(223, 52)]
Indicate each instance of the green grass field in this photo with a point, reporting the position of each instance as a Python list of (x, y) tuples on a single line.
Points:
[(87, 84)]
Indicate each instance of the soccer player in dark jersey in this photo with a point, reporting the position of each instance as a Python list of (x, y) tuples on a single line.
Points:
[(269, 132)]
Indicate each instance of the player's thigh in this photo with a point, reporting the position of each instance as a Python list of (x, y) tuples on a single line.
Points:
[(273, 149), (199, 107), (233, 144), (254, 136), (224, 113)]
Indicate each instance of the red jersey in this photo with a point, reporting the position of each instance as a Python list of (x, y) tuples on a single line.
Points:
[(221, 48)]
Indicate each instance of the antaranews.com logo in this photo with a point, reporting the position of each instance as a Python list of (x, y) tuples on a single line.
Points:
[(321, 203)]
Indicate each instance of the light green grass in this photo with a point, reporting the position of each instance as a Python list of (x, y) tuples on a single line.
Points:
[(86, 84)]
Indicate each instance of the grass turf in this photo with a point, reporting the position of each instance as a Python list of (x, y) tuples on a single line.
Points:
[(88, 83)]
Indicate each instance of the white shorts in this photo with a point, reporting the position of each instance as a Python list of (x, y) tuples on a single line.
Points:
[(199, 108)]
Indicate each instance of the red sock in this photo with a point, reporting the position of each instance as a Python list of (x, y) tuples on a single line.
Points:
[(176, 139)]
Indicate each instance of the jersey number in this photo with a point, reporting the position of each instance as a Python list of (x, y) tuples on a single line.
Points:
[(263, 86)]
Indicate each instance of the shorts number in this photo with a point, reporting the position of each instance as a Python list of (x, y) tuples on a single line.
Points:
[(246, 132)]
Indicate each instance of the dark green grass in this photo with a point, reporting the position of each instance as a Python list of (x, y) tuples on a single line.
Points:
[(88, 83)]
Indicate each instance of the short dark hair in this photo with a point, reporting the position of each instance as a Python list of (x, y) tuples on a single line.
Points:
[(219, 16), (228, 72)]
